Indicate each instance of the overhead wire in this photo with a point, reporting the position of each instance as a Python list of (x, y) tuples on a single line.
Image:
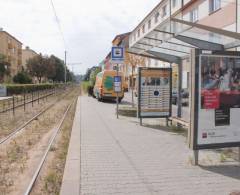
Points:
[(58, 24)]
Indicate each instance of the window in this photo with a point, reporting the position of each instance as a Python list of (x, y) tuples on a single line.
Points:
[(143, 28), (156, 17), (164, 11), (174, 3), (214, 5), (194, 15), (149, 24), (138, 32)]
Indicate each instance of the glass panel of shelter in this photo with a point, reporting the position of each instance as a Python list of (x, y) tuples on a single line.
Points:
[(203, 35)]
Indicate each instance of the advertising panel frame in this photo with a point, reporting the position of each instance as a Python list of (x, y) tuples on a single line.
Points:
[(196, 54), (140, 69)]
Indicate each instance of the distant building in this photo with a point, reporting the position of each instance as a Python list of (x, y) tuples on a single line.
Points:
[(27, 54), (106, 63), (11, 48)]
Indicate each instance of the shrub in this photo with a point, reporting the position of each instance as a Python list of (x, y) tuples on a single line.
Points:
[(22, 78), (16, 89)]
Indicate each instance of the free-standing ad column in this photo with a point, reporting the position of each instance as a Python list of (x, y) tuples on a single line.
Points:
[(217, 110), (154, 98)]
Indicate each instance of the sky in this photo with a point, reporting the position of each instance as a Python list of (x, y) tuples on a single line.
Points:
[(88, 26)]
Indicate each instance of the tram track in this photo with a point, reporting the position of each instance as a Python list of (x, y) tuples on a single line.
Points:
[(56, 130), (21, 127), (34, 140)]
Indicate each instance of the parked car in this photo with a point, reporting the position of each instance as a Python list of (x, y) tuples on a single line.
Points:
[(104, 86), (184, 95)]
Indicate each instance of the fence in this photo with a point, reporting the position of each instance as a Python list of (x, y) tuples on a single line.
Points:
[(22, 100)]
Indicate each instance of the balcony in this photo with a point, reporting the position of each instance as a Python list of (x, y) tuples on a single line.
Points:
[(10, 46), (19, 52)]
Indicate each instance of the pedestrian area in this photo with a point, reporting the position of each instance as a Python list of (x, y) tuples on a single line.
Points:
[(121, 157)]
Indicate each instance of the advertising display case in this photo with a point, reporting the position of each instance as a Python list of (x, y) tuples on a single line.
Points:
[(215, 110), (154, 92)]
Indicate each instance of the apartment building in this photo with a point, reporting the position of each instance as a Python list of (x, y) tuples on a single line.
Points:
[(27, 54), (169, 32), (11, 48)]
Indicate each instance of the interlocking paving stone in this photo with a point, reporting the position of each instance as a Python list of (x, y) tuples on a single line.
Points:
[(121, 157)]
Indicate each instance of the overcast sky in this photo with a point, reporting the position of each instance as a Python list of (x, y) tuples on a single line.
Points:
[(88, 26)]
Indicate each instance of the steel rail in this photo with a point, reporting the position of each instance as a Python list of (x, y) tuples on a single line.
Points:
[(11, 135), (37, 172)]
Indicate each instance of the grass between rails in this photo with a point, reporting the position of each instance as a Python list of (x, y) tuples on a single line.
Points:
[(51, 178), (15, 156), (84, 86)]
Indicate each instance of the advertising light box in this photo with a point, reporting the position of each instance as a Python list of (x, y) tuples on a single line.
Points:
[(216, 103), (154, 92)]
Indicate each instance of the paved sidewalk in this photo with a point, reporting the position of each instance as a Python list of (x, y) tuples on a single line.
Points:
[(120, 157)]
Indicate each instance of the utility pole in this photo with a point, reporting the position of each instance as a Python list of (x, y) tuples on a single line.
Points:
[(65, 72)]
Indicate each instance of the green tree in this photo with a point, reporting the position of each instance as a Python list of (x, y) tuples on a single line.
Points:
[(70, 76), (37, 66), (93, 75), (59, 67)]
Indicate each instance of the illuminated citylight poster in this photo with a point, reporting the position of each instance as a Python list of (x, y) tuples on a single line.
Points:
[(217, 101), (154, 92)]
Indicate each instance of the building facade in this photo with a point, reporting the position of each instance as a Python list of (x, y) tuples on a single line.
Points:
[(11, 48), (27, 54), (157, 29)]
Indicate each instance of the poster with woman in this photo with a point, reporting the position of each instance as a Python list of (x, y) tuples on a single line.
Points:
[(218, 100)]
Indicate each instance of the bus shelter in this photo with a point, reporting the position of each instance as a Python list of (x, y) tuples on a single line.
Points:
[(176, 40), (173, 41)]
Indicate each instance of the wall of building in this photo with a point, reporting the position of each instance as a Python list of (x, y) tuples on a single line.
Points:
[(11, 48), (26, 55)]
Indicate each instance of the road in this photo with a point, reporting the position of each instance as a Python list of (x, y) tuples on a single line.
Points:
[(121, 157)]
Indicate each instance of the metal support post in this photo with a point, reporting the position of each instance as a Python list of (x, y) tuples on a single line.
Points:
[(38, 96), (32, 98), (24, 101), (179, 102), (65, 68), (196, 155), (132, 87), (117, 92), (141, 122)]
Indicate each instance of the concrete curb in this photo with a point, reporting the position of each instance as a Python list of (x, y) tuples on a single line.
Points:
[(71, 177)]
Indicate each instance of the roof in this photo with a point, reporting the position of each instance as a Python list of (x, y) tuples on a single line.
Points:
[(154, 9), (11, 36), (121, 36), (28, 49)]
